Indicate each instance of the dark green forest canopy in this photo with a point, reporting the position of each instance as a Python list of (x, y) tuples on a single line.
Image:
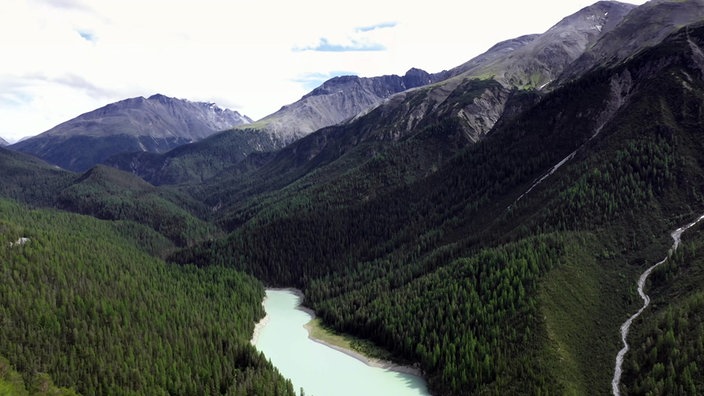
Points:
[(83, 304)]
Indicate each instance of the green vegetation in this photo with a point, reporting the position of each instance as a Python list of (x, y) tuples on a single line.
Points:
[(460, 342), (194, 163), (12, 383), (110, 194), (668, 356), (28, 179), (583, 301), (97, 314), (319, 331)]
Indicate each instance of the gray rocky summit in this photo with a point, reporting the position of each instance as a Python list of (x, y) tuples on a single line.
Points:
[(155, 124)]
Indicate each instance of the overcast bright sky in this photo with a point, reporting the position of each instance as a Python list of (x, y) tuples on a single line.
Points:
[(62, 58)]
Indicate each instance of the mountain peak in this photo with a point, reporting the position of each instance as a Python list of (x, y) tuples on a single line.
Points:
[(532, 61), (160, 97), (154, 124), (336, 100), (644, 26)]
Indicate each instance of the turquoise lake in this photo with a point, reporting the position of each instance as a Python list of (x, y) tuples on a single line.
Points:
[(318, 369)]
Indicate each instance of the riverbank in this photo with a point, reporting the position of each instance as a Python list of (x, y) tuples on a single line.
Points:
[(340, 343), (343, 343), (259, 325)]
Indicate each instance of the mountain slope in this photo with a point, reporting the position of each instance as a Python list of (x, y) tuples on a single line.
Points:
[(535, 60), (82, 304), (31, 180), (447, 268), (646, 26), (108, 194), (403, 104), (3, 142), (346, 151), (527, 62), (336, 100), (198, 161), (475, 97), (154, 124)]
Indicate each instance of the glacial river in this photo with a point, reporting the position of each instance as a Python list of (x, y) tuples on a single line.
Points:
[(318, 369)]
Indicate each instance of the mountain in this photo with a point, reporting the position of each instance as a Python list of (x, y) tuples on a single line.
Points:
[(197, 161), (466, 100), (508, 266), (108, 194), (30, 180), (535, 60), (154, 124), (3, 142), (336, 100), (524, 63), (490, 233), (646, 26), (405, 103)]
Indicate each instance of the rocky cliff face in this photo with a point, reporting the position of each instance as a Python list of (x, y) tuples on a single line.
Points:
[(154, 124)]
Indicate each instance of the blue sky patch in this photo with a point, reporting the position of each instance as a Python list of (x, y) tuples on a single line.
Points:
[(310, 81), (326, 46), (383, 25), (359, 39), (86, 35)]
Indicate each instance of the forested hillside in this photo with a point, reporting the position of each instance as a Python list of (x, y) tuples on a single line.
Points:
[(108, 194), (84, 303)]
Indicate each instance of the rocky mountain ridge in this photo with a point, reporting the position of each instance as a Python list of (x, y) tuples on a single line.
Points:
[(336, 100), (533, 61), (404, 103), (155, 124), (645, 26), (526, 63)]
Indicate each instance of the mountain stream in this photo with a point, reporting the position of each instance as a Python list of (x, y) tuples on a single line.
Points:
[(676, 237)]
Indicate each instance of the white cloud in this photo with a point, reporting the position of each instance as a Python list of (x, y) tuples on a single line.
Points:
[(62, 58)]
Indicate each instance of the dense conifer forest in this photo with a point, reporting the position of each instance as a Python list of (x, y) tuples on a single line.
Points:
[(83, 303)]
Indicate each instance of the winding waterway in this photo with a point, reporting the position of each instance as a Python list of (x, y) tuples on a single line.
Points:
[(319, 369), (618, 370)]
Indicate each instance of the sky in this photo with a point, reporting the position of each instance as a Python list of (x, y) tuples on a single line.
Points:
[(62, 58)]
